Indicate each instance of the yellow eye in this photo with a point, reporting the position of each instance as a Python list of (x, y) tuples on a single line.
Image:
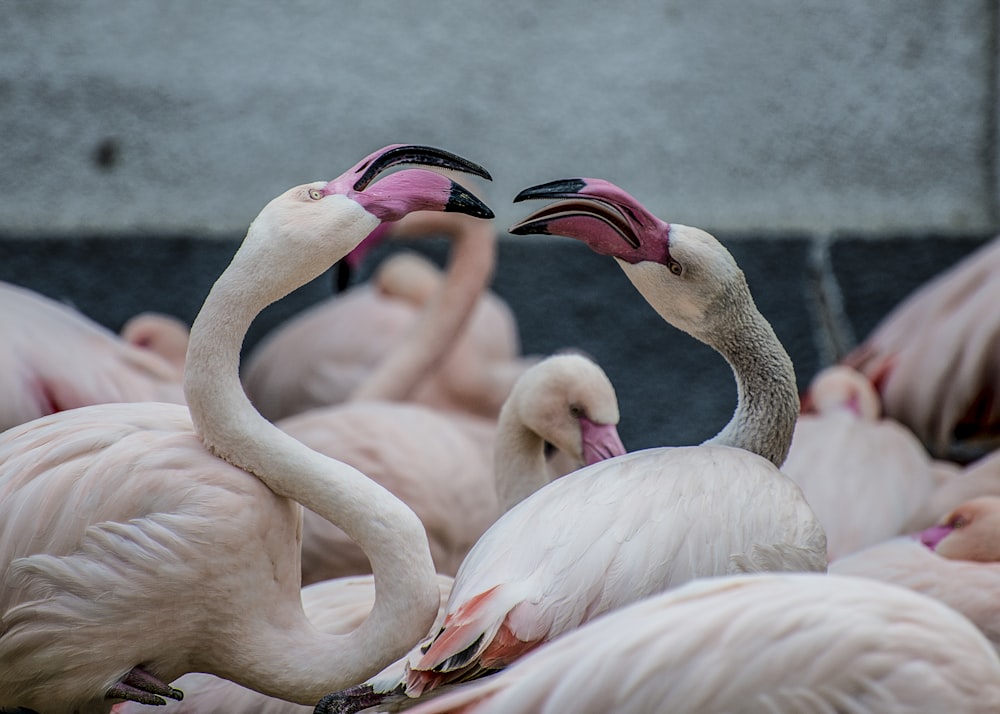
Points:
[(675, 267), (315, 194)]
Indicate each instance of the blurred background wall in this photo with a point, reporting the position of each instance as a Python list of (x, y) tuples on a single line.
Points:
[(845, 152)]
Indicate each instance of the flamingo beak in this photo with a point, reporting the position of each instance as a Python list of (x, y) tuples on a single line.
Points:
[(600, 214), (393, 196), (934, 535), (600, 441)]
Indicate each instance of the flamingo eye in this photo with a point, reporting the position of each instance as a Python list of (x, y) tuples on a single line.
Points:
[(674, 266), (958, 522), (315, 194), (576, 411)]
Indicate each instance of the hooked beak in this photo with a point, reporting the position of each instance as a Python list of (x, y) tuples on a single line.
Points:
[(600, 214)]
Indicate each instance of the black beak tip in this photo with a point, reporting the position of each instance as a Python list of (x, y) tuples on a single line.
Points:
[(529, 228), (421, 156), (561, 188), (462, 201)]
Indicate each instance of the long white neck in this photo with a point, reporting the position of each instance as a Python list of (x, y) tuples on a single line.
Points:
[(519, 468), (767, 403), (386, 529), (441, 322)]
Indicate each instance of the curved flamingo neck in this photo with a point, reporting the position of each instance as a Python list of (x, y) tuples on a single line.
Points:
[(767, 402), (470, 268), (388, 531), (519, 467)]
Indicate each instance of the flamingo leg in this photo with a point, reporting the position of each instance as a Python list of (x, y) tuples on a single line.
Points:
[(140, 686)]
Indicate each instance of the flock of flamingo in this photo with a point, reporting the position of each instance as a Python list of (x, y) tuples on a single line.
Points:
[(388, 507)]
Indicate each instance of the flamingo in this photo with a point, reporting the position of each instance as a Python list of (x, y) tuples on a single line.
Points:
[(439, 468), (325, 355), (980, 478), (139, 542), (160, 333), (863, 475), (634, 525), (54, 358), (935, 358), (561, 399), (769, 642), (956, 562)]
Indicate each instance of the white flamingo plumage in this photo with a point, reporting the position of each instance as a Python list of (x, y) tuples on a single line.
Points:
[(863, 475), (753, 643), (333, 606), (956, 562), (54, 358), (142, 541)]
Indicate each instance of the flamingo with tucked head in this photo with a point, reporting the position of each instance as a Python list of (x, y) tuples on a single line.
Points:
[(956, 561), (142, 541), (54, 358)]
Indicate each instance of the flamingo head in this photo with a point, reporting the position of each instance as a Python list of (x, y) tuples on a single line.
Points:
[(392, 197), (324, 221), (684, 272), (969, 532)]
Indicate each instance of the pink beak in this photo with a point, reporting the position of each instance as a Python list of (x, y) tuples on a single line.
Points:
[(934, 535), (601, 215), (600, 441)]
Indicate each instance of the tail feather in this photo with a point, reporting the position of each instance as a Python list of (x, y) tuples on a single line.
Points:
[(474, 641)]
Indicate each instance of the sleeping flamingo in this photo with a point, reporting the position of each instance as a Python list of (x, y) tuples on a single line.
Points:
[(159, 333), (53, 358), (326, 354), (142, 541), (562, 400), (980, 478), (863, 475), (935, 358), (956, 562), (437, 466), (637, 524), (751, 643)]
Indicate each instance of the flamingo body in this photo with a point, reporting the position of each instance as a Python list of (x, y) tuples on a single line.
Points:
[(936, 356), (568, 553), (956, 561), (864, 476), (761, 643), (53, 358)]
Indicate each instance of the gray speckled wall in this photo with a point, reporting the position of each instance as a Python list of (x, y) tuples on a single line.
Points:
[(758, 114)]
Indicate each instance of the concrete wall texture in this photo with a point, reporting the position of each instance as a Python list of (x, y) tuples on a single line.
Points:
[(846, 151)]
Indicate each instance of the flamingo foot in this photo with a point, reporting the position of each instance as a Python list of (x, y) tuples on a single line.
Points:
[(140, 686), (350, 700)]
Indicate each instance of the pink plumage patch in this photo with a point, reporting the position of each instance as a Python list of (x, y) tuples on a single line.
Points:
[(470, 644)]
